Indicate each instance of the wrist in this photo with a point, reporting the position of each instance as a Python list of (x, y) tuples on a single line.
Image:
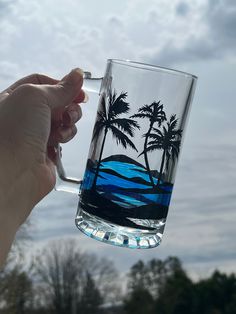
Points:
[(7, 234), (15, 206), (17, 190), (17, 199)]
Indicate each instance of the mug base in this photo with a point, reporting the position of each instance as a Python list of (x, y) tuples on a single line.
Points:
[(113, 234)]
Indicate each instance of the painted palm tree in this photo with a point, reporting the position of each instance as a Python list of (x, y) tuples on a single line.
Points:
[(168, 140), (109, 120), (155, 114)]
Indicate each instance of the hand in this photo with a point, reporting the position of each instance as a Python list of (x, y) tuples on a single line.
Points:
[(36, 113)]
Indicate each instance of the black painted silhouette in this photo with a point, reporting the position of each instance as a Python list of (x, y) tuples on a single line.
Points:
[(168, 140), (124, 192), (155, 114), (109, 120), (119, 189)]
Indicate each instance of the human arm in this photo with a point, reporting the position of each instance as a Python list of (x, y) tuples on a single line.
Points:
[(36, 113)]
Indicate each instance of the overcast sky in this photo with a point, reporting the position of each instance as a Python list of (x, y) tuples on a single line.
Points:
[(198, 37)]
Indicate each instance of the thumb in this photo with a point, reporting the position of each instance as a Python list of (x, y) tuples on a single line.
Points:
[(64, 92)]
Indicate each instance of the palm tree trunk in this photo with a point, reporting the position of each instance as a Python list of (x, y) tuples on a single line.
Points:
[(145, 155), (161, 168), (99, 161)]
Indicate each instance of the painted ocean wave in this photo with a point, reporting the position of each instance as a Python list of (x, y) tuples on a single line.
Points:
[(126, 183)]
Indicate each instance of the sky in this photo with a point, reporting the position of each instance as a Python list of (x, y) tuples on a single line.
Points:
[(52, 37)]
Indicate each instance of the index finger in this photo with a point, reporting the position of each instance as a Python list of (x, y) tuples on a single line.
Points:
[(32, 79)]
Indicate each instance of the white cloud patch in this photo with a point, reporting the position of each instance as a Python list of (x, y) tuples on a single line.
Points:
[(54, 36), (222, 23), (182, 8), (8, 70), (210, 35), (6, 6)]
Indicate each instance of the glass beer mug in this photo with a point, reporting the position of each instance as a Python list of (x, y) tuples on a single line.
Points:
[(138, 133)]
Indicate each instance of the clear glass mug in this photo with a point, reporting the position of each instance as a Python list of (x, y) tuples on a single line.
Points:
[(128, 181)]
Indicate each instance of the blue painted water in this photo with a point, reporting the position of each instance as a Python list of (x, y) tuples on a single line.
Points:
[(127, 184)]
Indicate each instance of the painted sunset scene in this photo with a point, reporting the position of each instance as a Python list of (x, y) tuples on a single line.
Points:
[(123, 190)]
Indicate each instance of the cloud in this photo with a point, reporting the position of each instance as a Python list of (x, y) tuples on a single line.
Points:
[(8, 70), (222, 23), (212, 36), (194, 49), (182, 8), (176, 32), (5, 7)]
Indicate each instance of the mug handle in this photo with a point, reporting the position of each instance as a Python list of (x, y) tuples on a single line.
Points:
[(65, 183)]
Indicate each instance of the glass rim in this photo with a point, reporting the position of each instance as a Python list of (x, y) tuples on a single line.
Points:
[(151, 67)]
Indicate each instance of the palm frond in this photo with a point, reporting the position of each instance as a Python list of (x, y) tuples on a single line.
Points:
[(172, 154), (156, 138), (178, 132), (121, 138), (156, 104), (173, 118), (155, 143), (165, 131), (153, 147), (141, 153), (154, 112), (157, 131), (118, 105), (145, 109), (126, 125), (158, 112), (156, 107), (176, 143), (173, 121), (141, 115), (101, 116), (134, 123), (175, 153), (176, 150), (168, 154)]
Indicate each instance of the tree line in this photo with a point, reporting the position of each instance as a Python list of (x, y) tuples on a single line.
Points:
[(164, 287), (61, 279)]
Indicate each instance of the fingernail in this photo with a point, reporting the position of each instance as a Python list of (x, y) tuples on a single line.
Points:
[(70, 117), (73, 115), (74, 131), (78, 70), (78, 73), (86, 98), (75, 75)]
